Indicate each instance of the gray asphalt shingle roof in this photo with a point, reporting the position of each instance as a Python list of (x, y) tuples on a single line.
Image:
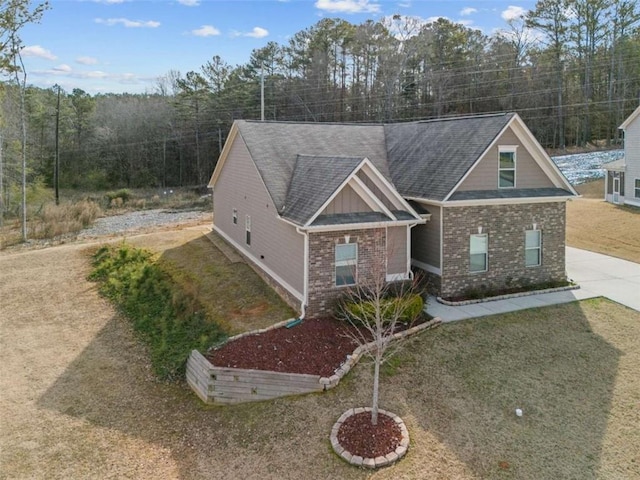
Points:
[(302, 164), (275, 146), (314, 180), (510, 193), (427, 159)]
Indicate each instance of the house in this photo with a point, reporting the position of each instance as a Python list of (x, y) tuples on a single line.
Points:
[(622, 184), (474, 202)]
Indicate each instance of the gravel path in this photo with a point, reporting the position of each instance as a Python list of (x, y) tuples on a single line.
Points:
[(133, 221)]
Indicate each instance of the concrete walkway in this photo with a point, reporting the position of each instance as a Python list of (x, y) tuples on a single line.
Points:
[(598, 275)]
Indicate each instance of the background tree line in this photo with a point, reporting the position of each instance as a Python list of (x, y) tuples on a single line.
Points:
[(570, 68)]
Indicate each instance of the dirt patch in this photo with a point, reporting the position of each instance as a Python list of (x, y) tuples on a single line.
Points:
[(315, 347)]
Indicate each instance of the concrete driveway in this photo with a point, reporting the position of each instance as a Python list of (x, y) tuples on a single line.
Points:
[(602, 275), (598, 276)]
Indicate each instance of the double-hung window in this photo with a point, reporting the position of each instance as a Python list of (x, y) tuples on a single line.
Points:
[(506, 167), (478, 253), (346, 264), (637, 188), (533, 248), (247, 229)]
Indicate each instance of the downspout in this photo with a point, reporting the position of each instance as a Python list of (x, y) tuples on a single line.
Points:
[(305, 292), (409, 254)]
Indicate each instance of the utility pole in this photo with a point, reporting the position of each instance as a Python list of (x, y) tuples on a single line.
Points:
[(1, 186), (56, 168), (262, 93)]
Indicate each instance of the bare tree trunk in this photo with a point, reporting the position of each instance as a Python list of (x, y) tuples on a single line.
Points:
[(376, 384)]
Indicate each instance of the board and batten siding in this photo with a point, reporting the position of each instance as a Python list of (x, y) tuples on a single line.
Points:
[(274, 244), (484, 176), (632, 160), (425, 239), (397, 250), (346, 201)]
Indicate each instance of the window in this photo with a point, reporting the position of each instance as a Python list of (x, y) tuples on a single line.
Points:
[(346, 264), (247, 228), (637, 188), (478, 248), (533, 248), (507, 167), (235, 216)]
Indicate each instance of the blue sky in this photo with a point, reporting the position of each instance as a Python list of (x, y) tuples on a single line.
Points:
[(120, 46)]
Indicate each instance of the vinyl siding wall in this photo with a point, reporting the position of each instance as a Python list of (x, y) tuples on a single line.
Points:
[(274, 244), (397, 250), (425, 239), (485, 174), (346, 201), (632, 160)]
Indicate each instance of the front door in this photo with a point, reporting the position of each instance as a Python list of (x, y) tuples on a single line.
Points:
[(616, 190)]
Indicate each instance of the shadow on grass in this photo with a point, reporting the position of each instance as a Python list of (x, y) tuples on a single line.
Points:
[(547, 362)]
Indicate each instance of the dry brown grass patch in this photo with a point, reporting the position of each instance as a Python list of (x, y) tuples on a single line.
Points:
[(599, 226)]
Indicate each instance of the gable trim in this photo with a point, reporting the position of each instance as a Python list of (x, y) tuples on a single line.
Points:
[(223, 155), (630, 119), (365, 192), (530, 143)]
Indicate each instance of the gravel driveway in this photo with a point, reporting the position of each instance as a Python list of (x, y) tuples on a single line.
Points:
[(139, 220)]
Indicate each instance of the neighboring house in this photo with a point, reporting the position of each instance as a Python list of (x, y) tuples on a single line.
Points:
[(474, 202), (622, 183)]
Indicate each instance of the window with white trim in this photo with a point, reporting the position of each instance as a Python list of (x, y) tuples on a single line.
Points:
[(247, 229), (637, 188), (533, 248), (346, 264), (478, 252), (506, 167), (234, 216)]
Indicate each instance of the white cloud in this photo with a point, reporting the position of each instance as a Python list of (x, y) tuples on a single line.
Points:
[(512, 13), (37, 51), (347, 6), (86, 60), (468, 11), (405, 5), (125, 22), (63, 68), (465, 23), (257, 32), (206, 31), (189, 3)]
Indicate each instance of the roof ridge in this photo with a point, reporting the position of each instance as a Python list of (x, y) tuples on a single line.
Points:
[(465, 117)]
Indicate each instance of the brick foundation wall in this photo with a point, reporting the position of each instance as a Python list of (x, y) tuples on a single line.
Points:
[(505, 226), (322, 290)]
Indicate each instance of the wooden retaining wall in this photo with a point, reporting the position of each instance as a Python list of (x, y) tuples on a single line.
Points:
[(223, 385), (235, 385)]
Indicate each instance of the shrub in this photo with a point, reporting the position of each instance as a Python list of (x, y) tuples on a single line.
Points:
[(117, 198), (171, 321), (403, 309)]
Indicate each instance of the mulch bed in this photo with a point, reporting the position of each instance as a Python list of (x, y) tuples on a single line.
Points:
[(359, 437), (315, 346)]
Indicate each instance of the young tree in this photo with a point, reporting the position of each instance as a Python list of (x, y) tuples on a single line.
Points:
[(15, 14), (377, 309)]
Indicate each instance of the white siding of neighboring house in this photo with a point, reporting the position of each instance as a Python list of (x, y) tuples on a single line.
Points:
[(275, 247), (484, 176), (632, 160)]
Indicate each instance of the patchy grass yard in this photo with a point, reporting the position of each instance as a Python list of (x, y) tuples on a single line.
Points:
[(599, 226), (79, 401)]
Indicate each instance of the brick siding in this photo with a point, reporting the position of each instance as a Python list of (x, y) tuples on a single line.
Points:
[(322, 290), (505, 226)]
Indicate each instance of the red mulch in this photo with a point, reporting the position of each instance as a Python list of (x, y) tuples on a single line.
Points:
[(359, 437), (315, 346)]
